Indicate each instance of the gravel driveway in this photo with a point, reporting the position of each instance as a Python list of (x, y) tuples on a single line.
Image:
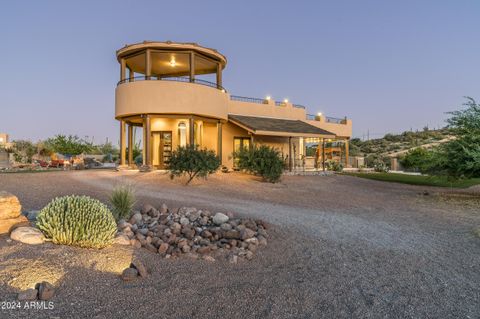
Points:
[(340, 247)]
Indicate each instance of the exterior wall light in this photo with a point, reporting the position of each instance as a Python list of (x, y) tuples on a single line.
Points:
[(285, 101), (268, 98), (319, 114)]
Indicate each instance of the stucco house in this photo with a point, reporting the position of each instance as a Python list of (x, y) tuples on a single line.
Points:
[(175, 93)]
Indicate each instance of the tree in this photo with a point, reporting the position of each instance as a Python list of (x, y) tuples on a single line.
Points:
[(193, 162), (264, 161), (24, 151), (68, 145)]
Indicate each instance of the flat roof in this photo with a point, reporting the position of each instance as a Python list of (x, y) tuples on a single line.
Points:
[(278, 127)]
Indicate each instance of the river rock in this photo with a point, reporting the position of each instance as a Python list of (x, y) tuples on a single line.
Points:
[(7, 225), (122, 239), (28, 235), (140, 267), (129, 274), (220, 218)]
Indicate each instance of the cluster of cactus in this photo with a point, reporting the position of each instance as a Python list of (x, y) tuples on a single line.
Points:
[(77, 221)]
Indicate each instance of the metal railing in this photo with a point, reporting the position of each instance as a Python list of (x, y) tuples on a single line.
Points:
[(336, 120), (280, 103), (247, 99), (175, 79), (299, 106)]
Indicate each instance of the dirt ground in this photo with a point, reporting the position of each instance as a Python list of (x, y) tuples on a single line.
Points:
[(340, 247)]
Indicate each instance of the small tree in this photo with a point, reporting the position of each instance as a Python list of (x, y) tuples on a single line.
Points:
[(264, 161), (24, 151), (71, 145), (193, 162)]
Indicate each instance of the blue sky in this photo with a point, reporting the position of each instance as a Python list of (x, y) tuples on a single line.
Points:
[(389, 65)]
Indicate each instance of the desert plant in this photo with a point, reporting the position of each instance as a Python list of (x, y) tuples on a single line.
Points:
[(77, 221), (193, 162), (122, 200), (332, 165), (264, 161)]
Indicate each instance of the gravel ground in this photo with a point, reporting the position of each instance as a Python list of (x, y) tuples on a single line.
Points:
[(340, 247)]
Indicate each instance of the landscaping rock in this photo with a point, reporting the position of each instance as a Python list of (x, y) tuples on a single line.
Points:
[(220, 218), (32, 215), (192, 233), (28, 235), (28, 295), (140, 267), (46, 291), (9, 206), (129, 274), (122, 239)]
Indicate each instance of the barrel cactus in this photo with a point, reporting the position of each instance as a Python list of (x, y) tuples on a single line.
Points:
[(77, 221)]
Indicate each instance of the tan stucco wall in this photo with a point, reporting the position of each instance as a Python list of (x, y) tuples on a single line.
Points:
[(168, 97), (341, 130)]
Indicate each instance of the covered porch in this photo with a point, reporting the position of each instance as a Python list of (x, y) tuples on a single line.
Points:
[(287, 136), (162, 134)]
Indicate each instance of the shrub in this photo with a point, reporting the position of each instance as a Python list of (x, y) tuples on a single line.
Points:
[(77, 221), (122, 200), (332, 165), (380, 166), (264, 161), (193, 162)]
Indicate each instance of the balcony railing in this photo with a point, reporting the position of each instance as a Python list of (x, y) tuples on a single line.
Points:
[(247, 99), (175, 79), (335, 120), (299, 106)]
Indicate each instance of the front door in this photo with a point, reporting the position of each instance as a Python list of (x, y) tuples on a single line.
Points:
[(161, 148), (238, 144)]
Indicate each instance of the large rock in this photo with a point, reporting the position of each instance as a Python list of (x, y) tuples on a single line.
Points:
[(28, 295), (220, 218), (7, 225), (28, 235), (9, 206), (46, 291)]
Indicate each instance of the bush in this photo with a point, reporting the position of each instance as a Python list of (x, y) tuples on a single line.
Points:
[(77, 221), (417, 159), (122, 200), (380, 166), (264, 161), (332, 165), (193, 162)]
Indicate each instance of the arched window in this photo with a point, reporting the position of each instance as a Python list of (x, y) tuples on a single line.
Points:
[(182, 134)]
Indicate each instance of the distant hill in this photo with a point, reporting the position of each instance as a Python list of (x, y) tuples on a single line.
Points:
[(395, 143)]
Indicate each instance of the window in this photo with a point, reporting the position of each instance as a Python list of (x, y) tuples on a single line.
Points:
[(182, 134)]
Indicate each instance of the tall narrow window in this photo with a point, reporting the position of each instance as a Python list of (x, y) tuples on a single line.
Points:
[(182, 134)]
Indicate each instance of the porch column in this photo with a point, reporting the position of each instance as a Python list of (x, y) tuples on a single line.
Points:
[(146, 141), (323, 154), (122, 143), (192, 67), (130, 144), (130, 75), (219, 141), (191, 132), (290, 160), (219, 75), (346, 152), (123, 65), (148, 65)]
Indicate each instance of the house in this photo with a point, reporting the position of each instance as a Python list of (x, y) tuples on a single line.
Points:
[(175, 93)]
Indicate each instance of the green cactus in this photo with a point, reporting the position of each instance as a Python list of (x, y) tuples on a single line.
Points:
[(77, 221)]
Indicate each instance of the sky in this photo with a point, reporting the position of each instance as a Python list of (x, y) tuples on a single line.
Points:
[(390, 66)]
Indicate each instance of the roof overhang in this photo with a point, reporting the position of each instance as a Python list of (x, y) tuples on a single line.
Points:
[(278, 127)]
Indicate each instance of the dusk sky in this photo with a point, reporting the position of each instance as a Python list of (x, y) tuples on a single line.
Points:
[(390, 66)]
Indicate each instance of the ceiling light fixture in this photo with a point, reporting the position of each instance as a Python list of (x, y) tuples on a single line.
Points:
[(173, 63)]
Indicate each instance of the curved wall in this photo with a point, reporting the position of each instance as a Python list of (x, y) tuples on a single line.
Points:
[(168, 97)]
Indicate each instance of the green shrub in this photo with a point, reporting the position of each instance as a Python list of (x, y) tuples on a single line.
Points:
[(264, 161), (193, 162), (122, 200), (332, 165), (77, 221)]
